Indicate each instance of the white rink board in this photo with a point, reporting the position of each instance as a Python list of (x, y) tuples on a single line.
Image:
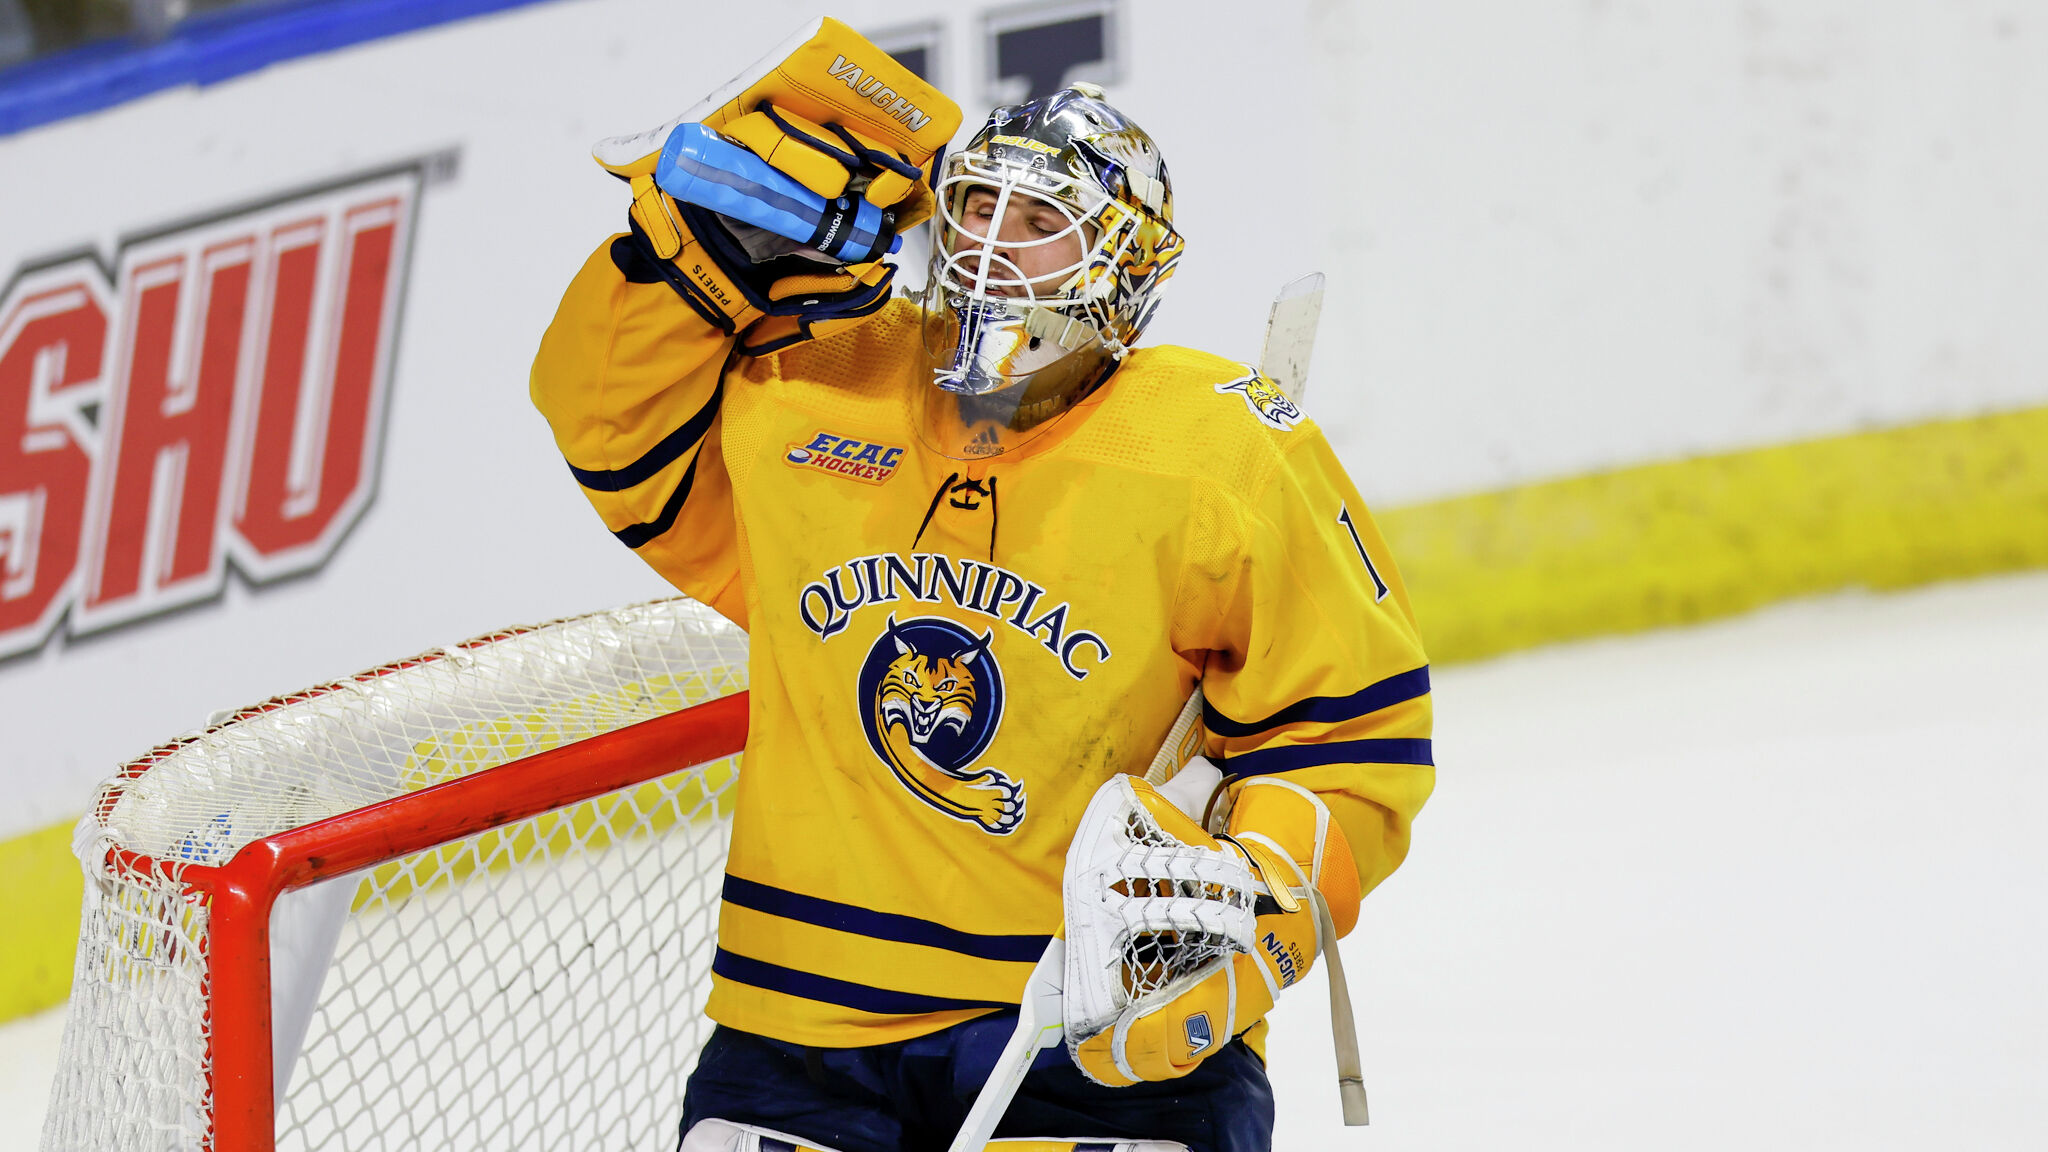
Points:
[(1560, 237), (1772, 882)]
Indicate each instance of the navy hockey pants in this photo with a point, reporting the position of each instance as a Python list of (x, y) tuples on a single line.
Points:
[(911, 1096)]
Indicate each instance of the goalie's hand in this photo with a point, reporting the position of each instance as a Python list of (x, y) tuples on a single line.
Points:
[(1149, 999), (839, 116)]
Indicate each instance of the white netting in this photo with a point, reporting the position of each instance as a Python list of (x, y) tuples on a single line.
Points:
[(1179, 919), (536, 985)]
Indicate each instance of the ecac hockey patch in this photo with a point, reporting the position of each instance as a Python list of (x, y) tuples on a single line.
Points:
[(856, 459), (1266, 401)]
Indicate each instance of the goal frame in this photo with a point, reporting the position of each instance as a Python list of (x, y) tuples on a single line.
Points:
[(243, 891)]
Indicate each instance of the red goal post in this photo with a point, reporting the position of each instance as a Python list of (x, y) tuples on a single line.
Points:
[(528, 833)]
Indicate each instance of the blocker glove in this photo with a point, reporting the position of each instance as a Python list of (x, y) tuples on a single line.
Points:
[(840, 117), (1177, 940)]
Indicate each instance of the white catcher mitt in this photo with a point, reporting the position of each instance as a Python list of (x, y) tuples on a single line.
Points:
[(1155, 906), (1175, 941)]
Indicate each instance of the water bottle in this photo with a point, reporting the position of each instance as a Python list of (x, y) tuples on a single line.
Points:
[(698, 166)]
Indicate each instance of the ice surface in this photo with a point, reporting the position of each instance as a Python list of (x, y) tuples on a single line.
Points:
[(1775, 883)]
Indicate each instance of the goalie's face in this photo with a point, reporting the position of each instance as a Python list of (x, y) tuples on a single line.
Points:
[(1010, 340), (1054, 233), (1011, 244)]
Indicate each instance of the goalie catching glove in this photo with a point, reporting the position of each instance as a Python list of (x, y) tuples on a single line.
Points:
[(1179, 941), (833, 113)]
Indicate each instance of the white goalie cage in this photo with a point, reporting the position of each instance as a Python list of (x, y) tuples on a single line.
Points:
[(533, 980)]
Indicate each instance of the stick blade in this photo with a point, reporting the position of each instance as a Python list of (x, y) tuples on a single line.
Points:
[(1291, 335)]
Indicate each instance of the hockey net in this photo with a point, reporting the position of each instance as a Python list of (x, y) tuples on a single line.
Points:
[(465, 900)]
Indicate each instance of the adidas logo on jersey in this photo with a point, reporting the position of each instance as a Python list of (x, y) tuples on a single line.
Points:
[(986, 442), (861, 460)]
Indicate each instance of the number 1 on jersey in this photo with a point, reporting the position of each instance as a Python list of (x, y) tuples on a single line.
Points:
[(1379, 585)]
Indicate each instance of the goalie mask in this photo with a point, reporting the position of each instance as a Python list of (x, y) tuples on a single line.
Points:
[(1053, 237)]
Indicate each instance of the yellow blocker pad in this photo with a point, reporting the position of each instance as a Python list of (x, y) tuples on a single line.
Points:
[(827, 74), (784, 108)]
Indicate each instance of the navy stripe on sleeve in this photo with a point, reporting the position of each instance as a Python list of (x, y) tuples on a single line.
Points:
[(880, 925), (660, 456), (634, 535), (1397, 689), (845, 993), (1269, 760)]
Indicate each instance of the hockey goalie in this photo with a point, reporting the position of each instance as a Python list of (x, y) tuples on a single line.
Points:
[(987, 548)]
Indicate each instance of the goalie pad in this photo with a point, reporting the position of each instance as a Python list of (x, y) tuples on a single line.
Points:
[(726, 1136)]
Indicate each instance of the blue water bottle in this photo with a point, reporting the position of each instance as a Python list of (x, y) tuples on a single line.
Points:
[(698, 166)]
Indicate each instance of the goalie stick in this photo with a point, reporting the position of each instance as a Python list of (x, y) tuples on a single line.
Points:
[(1283, 359)]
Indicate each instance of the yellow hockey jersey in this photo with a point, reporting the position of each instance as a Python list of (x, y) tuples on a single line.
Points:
[(948, 658)]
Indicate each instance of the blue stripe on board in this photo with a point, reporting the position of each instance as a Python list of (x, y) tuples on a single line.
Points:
[(845, 993), (880, 925), (658, 457), (209, 48), (1270, 760), (1397, 689)]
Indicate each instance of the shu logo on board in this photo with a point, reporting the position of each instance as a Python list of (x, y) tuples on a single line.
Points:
[(214, 398)]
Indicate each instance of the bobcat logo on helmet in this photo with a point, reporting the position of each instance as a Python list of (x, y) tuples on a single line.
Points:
[(1266, 401), (931, 700)]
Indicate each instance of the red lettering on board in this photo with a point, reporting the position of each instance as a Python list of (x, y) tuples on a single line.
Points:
[(52, 338), (236, 421)]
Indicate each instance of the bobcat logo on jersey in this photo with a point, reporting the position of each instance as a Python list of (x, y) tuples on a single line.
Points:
[(932, 698), (1266, 401)]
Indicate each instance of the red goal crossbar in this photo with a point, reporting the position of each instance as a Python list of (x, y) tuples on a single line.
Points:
[(242, 892)]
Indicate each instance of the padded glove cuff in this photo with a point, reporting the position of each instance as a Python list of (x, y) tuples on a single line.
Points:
[(769, 305), (1294, 823)]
